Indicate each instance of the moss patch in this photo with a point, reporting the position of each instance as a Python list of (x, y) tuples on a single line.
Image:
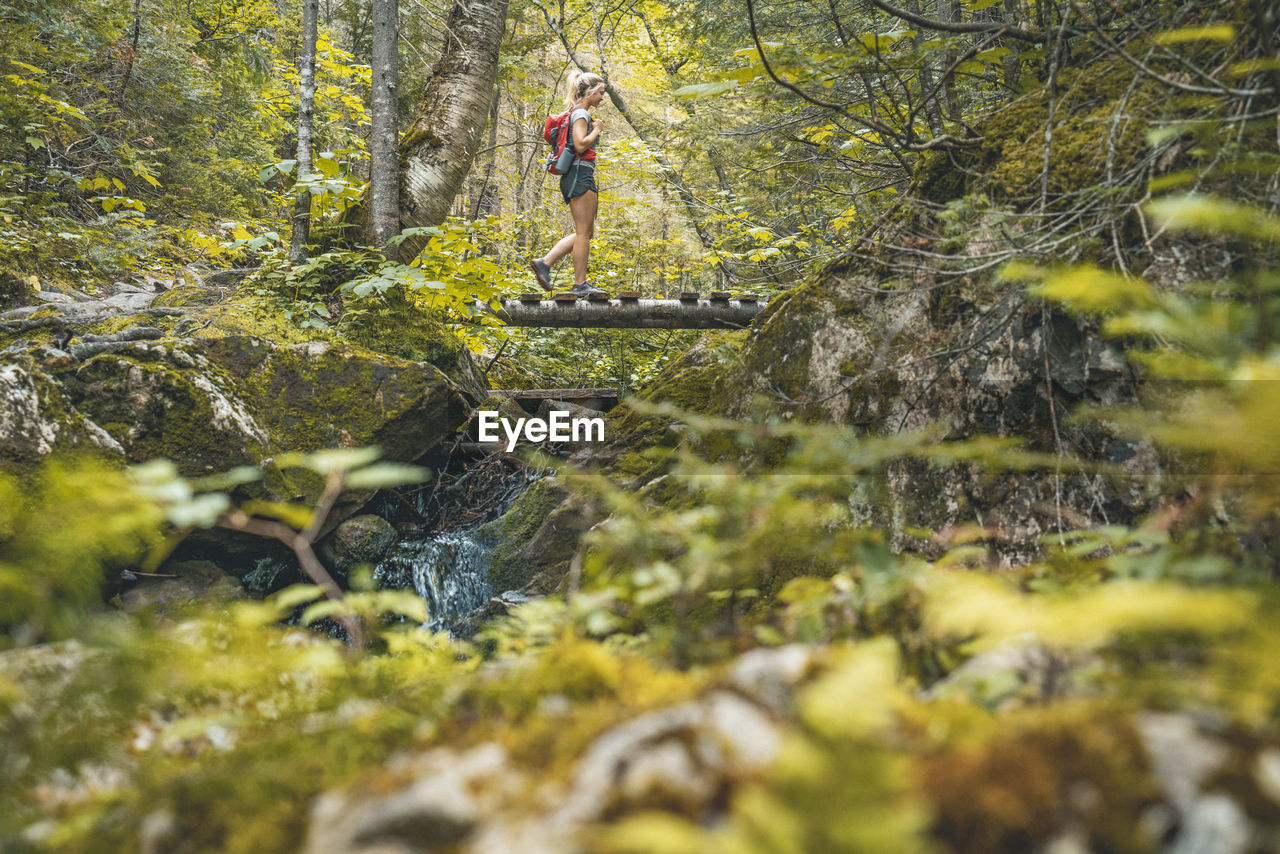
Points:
[(515, 559), (156, 409), (1012, 153), (16, 289), (1009, 794)]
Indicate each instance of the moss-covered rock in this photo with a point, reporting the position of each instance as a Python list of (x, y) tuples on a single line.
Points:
[(321, 395), (885, 354), (360, 539), (694, 382), (15, 289), (406, 331), (534, 541), (1090, 131), (37, 419), (187, 586), (167, 400), (212, 404)]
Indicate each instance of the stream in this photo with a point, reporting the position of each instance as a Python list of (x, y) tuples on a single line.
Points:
[(449, 570), (438, 555)]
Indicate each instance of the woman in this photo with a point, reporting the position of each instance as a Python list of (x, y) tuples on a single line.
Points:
[(578, 185)]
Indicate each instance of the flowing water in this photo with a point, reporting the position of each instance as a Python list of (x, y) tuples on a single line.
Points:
[(450, 571), (438, 555)]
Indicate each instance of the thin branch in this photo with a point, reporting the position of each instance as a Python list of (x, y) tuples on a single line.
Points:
[(949, 27), (238, 520), (1219, 89)]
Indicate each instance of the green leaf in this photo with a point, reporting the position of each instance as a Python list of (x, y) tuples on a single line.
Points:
[(202, 510), (294, 515), (293, 596), (1086, 289), (706, 90), (228, 479), (327, 166), (335, 459), (403, 602), (383, 475), (324, 608), (1195, 212), (31, 68)]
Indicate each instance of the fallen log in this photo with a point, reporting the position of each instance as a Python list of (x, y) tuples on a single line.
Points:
[(629, 313)]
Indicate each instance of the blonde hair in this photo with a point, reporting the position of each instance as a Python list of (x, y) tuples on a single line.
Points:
[(580, 83)]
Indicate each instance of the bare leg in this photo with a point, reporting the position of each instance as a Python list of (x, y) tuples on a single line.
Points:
[(562, 248), (584, 225)]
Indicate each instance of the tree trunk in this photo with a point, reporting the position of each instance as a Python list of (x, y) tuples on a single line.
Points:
[(930, 107), (384, 160), (436, 153), (306, 117), (949, 11), (486, 201)]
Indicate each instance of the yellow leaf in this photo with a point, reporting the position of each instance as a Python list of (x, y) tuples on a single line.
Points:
[(1216, 33), (968, 604), (860, 694)]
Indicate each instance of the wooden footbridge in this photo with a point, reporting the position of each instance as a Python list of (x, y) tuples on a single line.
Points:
[(629, 310)]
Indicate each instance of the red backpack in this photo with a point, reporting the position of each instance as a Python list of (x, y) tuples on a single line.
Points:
[(556, 133)]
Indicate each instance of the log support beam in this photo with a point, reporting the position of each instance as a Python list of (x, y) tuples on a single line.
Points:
[(629, 313)]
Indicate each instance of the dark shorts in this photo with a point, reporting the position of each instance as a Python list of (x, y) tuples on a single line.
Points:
[(580, 178)]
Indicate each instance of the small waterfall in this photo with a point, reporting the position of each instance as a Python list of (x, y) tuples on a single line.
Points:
[(437, 554), (450, 571)]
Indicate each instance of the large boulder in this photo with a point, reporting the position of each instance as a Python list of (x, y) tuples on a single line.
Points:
[(184, 585), (36, 418), (881, 355), (534, 542), (886, 356), (168, 399), (212, 404)]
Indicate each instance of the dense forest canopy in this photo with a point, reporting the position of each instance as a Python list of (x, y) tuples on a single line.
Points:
[(967, 543)]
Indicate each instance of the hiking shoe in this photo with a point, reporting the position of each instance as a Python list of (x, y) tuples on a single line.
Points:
[(582, 288), (542, 270)]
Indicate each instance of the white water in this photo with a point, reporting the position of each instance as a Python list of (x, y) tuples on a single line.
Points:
[(450, 572)]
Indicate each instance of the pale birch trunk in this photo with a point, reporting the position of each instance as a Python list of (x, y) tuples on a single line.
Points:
[(384, 160), (436, 153), (306, 118)]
